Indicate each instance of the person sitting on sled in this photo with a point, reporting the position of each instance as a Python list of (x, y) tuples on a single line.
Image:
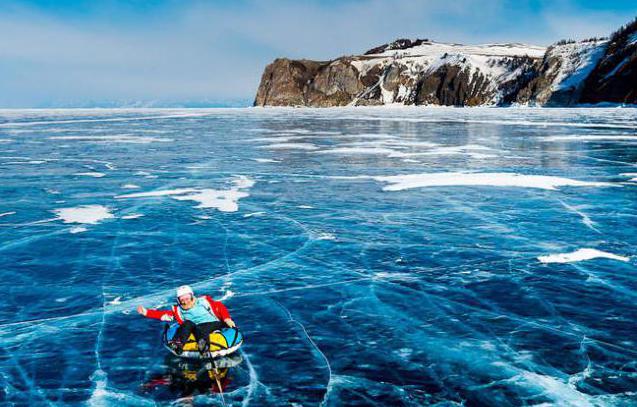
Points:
[(199, 316)]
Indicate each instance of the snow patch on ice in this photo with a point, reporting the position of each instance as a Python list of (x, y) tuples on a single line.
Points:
[(359, 150), (24, 162), (402, 182), (91, 174), (325, 236), (116, 301), (86, 214), (472, 150), (226, 295), (630, 174), (591, 138), (242, 182), (133, 216), (120, 138), (291, 146), (249, 215), (223, 200), (580, 255), (560, 392)]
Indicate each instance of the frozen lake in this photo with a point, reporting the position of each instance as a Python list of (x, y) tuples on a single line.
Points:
[(371, 256)]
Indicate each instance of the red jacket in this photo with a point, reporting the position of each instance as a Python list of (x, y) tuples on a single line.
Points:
[(214, 307)]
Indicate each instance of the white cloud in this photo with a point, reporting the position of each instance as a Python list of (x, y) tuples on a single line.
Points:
[(203, 50)]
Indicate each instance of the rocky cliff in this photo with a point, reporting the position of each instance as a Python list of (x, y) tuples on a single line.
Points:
[(614, 77), (561, 77), (405, 72), (423, 72)]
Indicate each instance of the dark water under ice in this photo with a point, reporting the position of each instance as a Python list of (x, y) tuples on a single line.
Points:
[(410, 257)]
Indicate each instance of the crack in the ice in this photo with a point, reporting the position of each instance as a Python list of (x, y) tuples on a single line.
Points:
[(586, 220), (328, 387)]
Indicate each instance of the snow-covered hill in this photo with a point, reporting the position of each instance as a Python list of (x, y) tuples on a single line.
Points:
[(405, 72), (424, 72)]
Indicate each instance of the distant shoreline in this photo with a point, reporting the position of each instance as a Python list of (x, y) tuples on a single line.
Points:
[(379, 107)]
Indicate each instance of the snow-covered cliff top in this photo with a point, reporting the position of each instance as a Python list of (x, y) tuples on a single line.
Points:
[(429, 56), (432, 49)]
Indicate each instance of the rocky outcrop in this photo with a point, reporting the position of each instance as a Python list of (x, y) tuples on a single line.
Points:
[(284, 82), (423, 72), (614, 78), (407, 72), (561, 76)]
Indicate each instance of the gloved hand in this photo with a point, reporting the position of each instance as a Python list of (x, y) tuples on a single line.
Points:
[(141, 310), (230, 323)]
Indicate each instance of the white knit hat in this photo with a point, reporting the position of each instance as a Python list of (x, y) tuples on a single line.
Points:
[(184, 290)]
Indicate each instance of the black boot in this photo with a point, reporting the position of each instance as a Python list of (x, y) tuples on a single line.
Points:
[(203, 345), (176, 347)]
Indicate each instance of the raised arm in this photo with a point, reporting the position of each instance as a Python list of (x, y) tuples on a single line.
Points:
[(220, 311), (162, 315)]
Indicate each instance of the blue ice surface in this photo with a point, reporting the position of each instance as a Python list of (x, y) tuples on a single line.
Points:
[(347, 293)]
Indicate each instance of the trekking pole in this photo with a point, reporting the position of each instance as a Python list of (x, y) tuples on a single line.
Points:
[(214, 364)]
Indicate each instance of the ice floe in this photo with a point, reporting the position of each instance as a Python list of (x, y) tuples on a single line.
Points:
[(87, 214), (580, 255), (495, 179)]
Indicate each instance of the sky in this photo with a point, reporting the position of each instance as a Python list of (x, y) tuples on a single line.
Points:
[(62, 53)]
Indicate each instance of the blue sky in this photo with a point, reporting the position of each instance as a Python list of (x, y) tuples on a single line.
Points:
[(84, 53)]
